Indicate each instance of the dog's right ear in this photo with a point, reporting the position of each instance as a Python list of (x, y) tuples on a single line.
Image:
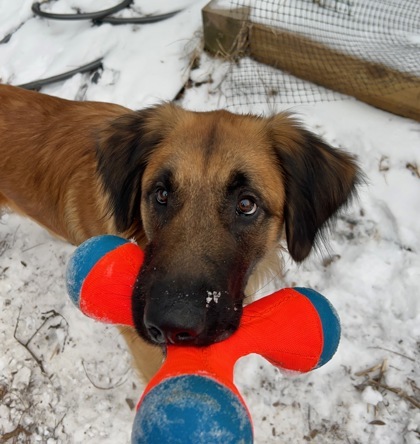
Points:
[(123, 150)]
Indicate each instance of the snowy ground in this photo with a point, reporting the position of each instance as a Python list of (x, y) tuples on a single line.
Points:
[(67, 379)]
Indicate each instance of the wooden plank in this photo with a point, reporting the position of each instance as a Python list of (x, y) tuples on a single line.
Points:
[(374, 83), (225, 31)]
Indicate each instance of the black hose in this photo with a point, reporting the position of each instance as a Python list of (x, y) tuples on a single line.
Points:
[(97, 17), (36, 8), (103, 16), (37, 84), (138, 20)]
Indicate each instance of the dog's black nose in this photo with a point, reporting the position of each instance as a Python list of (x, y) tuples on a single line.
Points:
[(178, 324), (172, 335), (183, 312)]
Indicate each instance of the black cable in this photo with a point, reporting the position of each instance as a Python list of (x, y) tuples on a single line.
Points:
[(37, 84), (36, 8), (103, 16), (97, 17), (137, 20)]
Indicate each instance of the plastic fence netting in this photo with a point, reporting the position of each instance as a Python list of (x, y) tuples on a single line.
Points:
[(339, 37)]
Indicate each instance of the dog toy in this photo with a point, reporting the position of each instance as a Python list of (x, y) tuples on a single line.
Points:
[(192, 399)]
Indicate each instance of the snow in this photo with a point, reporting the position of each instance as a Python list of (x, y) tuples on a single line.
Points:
[(213, 296), (65, 378), (371, 396)]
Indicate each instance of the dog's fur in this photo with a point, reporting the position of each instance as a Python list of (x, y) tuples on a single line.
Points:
[(207, 195)]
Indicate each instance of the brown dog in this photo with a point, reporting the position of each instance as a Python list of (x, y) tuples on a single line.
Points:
[(206, 194)]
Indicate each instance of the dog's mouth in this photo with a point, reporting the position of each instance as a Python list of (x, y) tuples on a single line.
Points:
[(229, 331), (185, 339), (218, 335), (186, 323)]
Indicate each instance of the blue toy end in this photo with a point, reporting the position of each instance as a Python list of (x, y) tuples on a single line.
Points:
[(330, 323), (83, 260), (191, 409)]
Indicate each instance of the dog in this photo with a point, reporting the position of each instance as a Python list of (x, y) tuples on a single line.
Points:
[(207, 195)]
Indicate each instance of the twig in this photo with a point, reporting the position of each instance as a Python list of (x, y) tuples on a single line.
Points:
[(400, 392), (3, 247), (53, 313), (48, 315), (370, 369), (413, 385), (395, 353), (33, 246), (25, 344), (13, 434), (377, 382), (414, 168), (58, 423), (14, 235), (118, 384)]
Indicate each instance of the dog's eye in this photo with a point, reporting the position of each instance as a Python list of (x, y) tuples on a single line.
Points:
[(246, 206), (162, 196)]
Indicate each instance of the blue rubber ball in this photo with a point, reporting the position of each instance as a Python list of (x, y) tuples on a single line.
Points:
[(191, 409), (85, 258)]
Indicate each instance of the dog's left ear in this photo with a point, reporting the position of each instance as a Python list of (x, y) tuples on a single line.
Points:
[(319, 180), (123, 150)]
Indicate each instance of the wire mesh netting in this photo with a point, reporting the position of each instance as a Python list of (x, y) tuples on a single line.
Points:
[(252, 86), (354, 46)]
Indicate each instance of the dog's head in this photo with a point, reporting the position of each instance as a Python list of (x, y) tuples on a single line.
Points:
[(208, 195)]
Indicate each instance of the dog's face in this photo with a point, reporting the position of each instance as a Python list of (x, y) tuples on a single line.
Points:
[(208, 195)]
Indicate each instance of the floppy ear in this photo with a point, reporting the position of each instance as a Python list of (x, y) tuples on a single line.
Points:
[(123, 151), (319, 180)]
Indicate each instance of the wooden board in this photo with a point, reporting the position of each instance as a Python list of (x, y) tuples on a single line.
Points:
[(225, 31), (230, 34)]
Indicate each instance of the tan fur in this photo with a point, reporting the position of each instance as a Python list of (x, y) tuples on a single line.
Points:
[(233, 148), (49, 172), (37, 132), (37, 129)]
